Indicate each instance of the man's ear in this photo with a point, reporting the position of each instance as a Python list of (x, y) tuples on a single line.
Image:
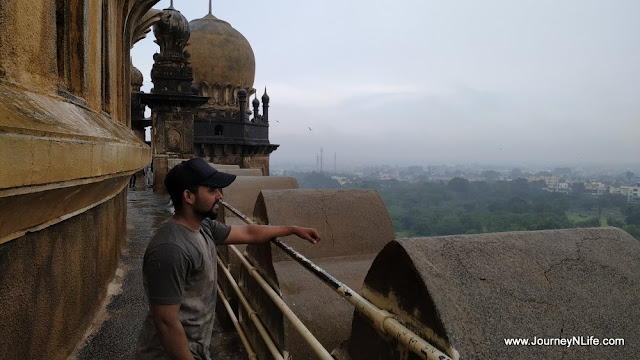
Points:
[(188, 197)]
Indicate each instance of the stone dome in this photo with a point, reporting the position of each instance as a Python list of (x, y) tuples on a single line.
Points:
[(220, 54), (171, 32), (136, 77)]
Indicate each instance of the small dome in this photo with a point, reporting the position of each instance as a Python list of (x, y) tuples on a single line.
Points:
[(220, 54), (171, 32), (136, 77)]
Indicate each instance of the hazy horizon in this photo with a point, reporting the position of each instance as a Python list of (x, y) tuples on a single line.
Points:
[(429, 82), (328, 166)]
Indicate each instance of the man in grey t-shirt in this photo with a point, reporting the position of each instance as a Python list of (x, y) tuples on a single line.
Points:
[(179, 268)]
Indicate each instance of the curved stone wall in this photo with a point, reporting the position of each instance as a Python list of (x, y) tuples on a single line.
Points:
[(467, 294), (354, 225), (243, 193), (51, 281), (66, 153), (351, 222)]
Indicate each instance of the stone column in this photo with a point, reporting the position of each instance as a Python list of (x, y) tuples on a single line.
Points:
[(171, 100)]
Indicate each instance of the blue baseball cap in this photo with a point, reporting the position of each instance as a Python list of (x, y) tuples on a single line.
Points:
[(195, 172)]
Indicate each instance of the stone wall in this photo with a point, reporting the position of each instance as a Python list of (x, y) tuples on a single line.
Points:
[(466, 294), (51, 281), (67, 152)]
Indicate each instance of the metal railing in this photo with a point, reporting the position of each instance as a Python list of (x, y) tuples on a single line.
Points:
[(382, 320), (273, 349), (251, 354), (311, 340)]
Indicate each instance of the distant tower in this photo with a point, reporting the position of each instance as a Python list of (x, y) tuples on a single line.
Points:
[(138, 121), (227, 130), (265, 105), (171, 100)]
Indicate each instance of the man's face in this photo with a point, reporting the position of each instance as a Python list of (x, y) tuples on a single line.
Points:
[(207, 202)]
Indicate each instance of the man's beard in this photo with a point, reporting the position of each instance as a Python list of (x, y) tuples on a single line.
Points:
[(211, 213)]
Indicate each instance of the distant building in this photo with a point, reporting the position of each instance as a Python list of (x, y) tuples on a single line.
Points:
[(631, 192), (557, 185), (341, 180), (596, 188)]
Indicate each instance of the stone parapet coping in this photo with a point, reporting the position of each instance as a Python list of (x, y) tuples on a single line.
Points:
[(47, 140), (58, 159)]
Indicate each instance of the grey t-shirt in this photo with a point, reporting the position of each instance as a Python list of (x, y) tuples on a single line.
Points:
[(180, 268)]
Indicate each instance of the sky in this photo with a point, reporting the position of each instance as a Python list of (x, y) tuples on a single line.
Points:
[(425, 82)]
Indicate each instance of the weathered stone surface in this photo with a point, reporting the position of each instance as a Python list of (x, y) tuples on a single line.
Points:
[(47, 140), (354, 225), (66, 153), (51, 206), (475, 291), (351, 222), (51, 281), (243, 193), (28, 38)]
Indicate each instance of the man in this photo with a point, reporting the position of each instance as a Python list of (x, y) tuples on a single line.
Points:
[(179, 268)]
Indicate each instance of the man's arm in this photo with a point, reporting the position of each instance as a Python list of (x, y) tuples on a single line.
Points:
[(253, 234), (171, 331)]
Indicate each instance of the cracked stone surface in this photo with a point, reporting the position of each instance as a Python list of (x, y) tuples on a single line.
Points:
[(480, 289)]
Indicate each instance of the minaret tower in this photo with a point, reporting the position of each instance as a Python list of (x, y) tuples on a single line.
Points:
[(171, 100)]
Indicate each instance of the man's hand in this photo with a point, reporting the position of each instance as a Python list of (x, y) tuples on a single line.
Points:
[(309, 234)]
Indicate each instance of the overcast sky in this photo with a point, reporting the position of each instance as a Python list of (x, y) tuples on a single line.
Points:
[(442, 82)]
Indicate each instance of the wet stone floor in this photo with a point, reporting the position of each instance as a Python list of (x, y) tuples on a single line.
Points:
[(115, 332)]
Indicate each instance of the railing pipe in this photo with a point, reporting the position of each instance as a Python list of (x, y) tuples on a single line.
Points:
[(311, 340), (381, 319), (252, 314), (250, 353)]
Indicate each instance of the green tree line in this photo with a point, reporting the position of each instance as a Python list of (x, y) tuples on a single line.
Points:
[(460, 206)]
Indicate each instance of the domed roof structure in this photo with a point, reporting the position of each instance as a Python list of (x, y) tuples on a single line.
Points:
[(136, 77), (220, 54), (171, 32)]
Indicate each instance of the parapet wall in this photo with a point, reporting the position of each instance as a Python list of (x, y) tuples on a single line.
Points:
[(243, 193), (354, 226), (351, 222), (467, 294)]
